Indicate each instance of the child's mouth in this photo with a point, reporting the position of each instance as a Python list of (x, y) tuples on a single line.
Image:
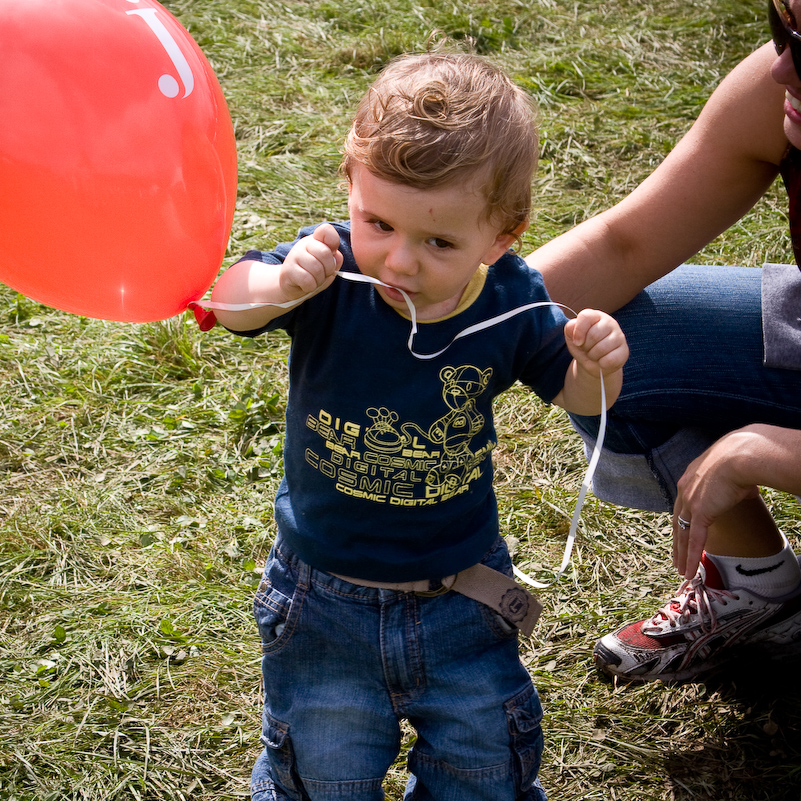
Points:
[(393, 293)]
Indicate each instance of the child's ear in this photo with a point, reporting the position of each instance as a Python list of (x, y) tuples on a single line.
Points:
[(504, 241), (521, 229)]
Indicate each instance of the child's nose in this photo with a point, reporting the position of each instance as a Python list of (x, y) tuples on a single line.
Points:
[(401, 259)]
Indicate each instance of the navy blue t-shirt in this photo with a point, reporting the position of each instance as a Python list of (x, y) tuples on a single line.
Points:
[(388, 458)]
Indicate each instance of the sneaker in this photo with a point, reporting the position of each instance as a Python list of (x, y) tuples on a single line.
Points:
[(697, 630)]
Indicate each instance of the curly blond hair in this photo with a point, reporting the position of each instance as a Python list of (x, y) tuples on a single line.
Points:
[(435, 119)]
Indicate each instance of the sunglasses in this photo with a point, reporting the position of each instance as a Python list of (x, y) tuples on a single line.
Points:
[(782, 28)]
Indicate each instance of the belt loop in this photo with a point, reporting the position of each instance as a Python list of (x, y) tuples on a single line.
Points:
[(304, 574)]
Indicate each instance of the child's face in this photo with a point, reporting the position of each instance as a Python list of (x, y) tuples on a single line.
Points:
[(427, 242)]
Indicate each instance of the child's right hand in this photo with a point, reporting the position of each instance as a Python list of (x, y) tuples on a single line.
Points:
[(309, 267), (312, 263)]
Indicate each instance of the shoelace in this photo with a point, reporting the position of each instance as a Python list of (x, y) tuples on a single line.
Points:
[(692, 598)]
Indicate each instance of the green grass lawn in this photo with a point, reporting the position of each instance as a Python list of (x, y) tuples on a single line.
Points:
[(140, 461)]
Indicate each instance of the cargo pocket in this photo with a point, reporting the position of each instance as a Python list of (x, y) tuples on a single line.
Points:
[(524, 718), (278, 750)]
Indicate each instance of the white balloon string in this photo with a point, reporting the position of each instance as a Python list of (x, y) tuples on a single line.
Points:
[(596, 453), (585, 485)]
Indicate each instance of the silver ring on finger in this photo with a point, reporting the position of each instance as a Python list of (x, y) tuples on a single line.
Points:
[(683, 524)]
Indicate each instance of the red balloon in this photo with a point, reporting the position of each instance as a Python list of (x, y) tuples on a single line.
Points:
[(117, 159)]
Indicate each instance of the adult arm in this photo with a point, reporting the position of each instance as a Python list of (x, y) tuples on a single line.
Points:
[(713, 176)]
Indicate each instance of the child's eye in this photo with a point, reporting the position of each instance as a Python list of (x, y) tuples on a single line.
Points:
[(381, 225), (440, 244)]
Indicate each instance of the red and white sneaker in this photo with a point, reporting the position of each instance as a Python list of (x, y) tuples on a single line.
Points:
[(697, 631)]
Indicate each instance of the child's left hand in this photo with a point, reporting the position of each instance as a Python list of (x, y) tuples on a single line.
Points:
[(596, 342)]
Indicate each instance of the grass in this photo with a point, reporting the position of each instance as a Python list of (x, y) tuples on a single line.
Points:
[(140, 461)]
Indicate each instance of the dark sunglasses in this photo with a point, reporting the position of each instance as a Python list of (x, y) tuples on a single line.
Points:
[(783, 31)]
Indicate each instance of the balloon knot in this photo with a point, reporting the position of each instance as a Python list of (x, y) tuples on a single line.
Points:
[(206, 319)]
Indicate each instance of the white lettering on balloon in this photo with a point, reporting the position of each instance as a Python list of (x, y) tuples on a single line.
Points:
[(168, 85)]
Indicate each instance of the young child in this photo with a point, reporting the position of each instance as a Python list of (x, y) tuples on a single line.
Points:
[(388, 490)]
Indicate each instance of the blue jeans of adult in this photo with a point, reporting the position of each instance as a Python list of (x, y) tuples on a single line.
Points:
[(343, 664), (695, 373)]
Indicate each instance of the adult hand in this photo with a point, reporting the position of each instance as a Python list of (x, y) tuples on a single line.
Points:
[(712, 484)]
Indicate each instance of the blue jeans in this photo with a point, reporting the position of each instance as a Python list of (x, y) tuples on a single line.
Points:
[(695, 373), (343, 664)]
